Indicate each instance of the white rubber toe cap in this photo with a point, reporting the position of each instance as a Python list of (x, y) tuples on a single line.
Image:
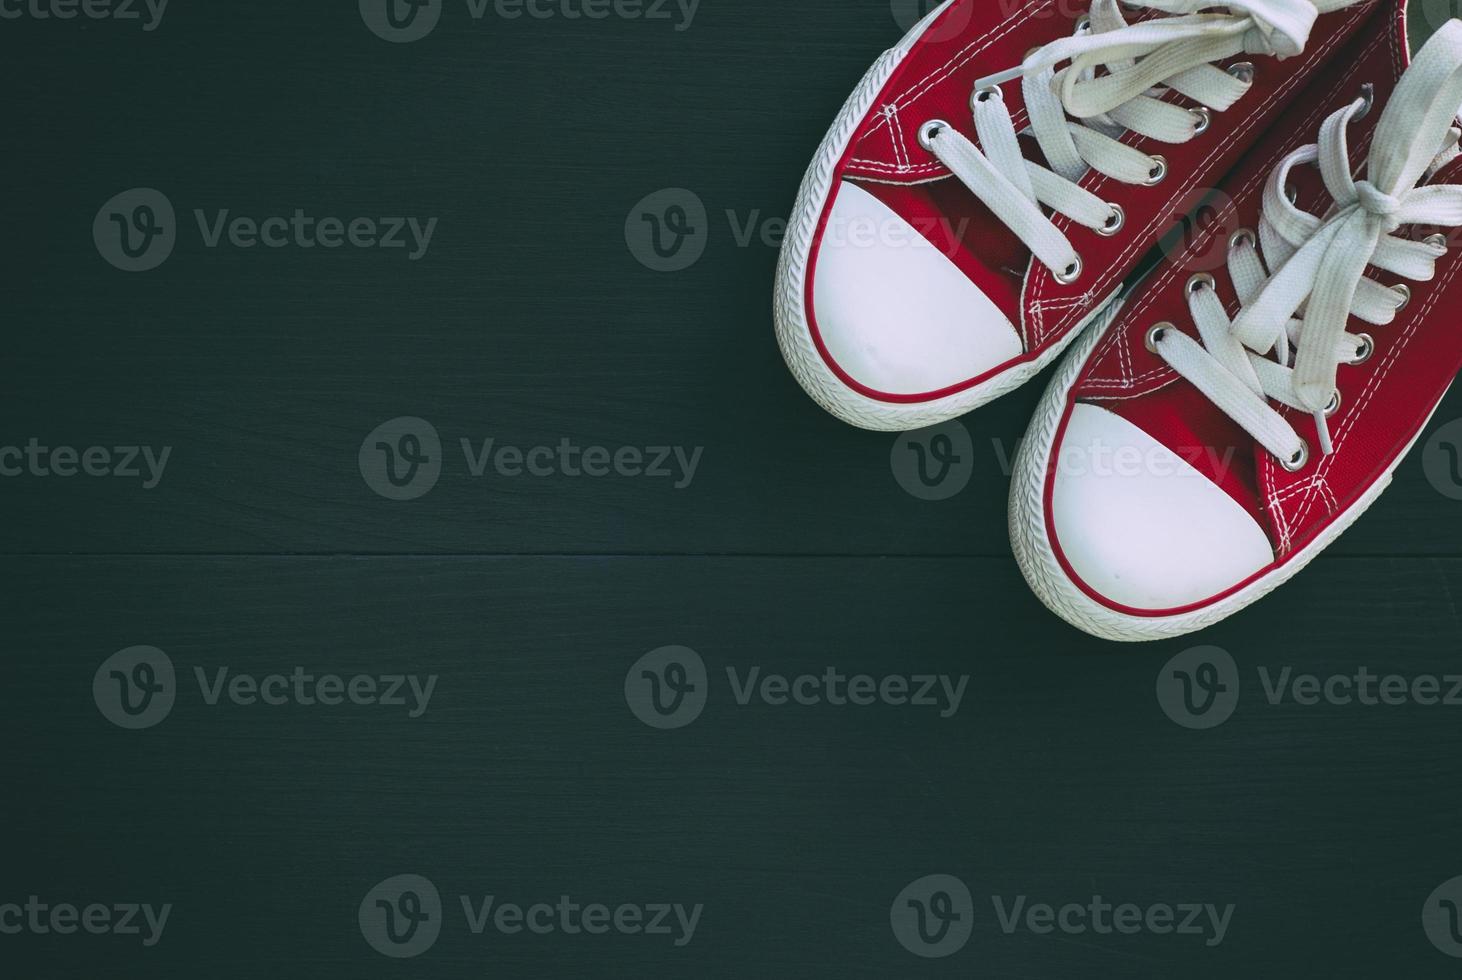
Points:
[(1141, 526), (895, 313)]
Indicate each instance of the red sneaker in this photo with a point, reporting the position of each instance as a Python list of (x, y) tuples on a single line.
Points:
[(1211, 437), (924, 274)]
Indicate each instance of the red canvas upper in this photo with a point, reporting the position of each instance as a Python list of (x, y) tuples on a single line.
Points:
[(1384, 401), (935, 81)]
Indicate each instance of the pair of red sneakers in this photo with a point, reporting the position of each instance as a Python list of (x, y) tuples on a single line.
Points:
[(992, 185)]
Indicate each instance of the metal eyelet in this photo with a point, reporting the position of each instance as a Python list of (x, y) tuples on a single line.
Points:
[(1364, 352), (1083, 24), (1154, 334), (1368, 93), (1436, 241), (1202, 119), (982, 95), (1404, 291), (1243, 235), (1244, 71), (1334, 405), (1114, 222), (1290, 194), (1159, 171), (1200, 282), (1297, 462), (929, 130), (1069, 274)]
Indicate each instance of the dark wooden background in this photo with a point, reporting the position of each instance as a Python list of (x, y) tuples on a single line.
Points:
[(529, 321)]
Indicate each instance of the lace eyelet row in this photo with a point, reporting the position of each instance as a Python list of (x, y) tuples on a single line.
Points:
[(1245, 71), (1366, 346)]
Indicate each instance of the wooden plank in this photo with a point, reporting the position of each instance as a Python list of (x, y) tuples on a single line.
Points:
[(528, 320), (528, 776)]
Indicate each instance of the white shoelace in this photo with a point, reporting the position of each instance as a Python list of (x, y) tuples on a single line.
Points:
[(1138, 63), (1318, 264)]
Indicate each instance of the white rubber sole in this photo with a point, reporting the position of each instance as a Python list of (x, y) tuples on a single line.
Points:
[(1043, 572), (794, 335)]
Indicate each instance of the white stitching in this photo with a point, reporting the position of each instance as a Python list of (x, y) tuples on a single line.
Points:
[(962, 58), (1295, 79), (1159, 285), (890, 113), (1393, 356)]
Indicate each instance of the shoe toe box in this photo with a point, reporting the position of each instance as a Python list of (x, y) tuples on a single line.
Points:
[(1142, 527), (894, 313)]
